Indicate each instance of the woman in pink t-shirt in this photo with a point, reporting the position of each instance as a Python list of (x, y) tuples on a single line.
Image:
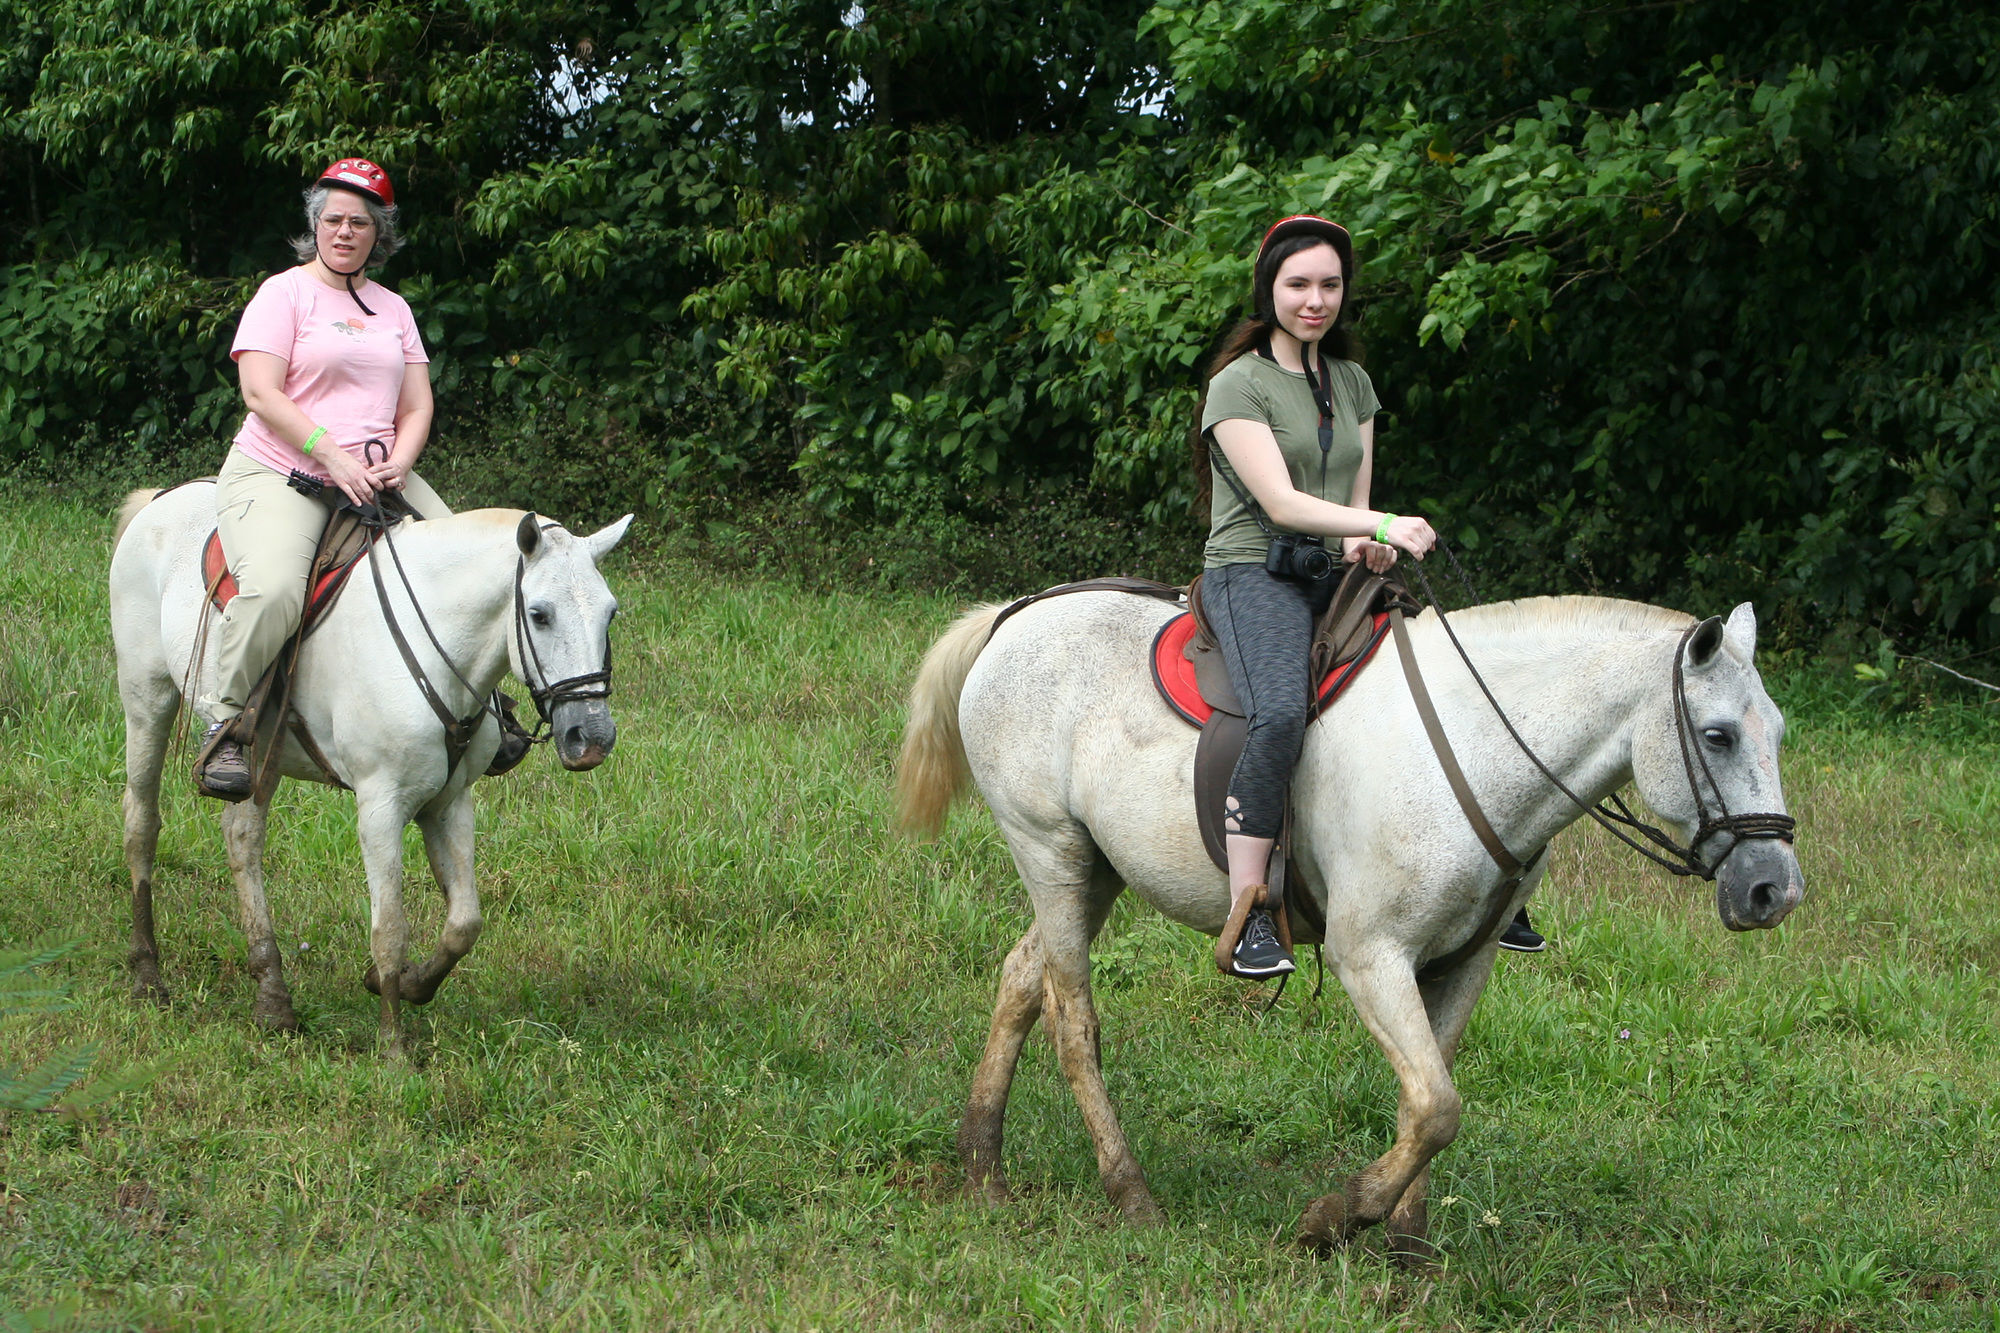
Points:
[(338, 386)]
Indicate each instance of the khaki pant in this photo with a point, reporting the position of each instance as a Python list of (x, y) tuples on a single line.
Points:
[(269, 535)]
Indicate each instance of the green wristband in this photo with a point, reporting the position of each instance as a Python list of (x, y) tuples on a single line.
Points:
[(1382, 528), (312, 439)]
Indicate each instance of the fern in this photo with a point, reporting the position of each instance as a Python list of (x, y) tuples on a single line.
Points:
[(59, 1081)]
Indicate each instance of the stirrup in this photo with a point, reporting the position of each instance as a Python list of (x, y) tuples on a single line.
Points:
[(224, 785), (514, 739), (1257, 895)]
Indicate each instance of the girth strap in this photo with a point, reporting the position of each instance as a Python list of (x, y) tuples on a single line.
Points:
[(1511, 868)]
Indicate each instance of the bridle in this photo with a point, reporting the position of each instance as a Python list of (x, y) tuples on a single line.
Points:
[(584, 688), (1683, 861), (459, 731)]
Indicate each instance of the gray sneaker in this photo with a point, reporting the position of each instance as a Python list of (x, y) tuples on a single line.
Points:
[(224, 771), (1259, 952)]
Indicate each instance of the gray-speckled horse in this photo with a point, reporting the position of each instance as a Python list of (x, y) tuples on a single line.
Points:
[(498, 587), (1090, 778)]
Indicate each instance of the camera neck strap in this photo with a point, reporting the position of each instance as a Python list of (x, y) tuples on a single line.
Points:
[(1321, 387)]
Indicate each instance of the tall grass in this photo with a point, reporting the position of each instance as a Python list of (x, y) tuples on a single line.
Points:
[(704, 1066)]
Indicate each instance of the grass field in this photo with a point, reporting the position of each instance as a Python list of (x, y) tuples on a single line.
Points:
[(704, 1067)]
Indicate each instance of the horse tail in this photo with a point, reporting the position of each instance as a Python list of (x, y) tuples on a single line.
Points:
[(932, 770), (128, 511)]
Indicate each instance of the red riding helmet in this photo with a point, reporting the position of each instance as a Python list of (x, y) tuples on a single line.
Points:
[(361, 176)]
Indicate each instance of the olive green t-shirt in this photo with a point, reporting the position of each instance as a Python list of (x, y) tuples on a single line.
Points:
[(1252, 388)]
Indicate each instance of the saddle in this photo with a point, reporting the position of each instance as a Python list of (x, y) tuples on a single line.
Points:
[(267, 714)]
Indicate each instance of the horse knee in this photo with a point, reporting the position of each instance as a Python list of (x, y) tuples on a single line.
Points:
[(460, 936), (1434, 1120)]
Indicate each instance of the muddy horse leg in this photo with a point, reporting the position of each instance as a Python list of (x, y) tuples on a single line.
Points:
[(448, 836), (1014, 1014), (379, 821), (150, 706), (243, 825), (1067, 923), (1449, 1000), (1388, 1000)]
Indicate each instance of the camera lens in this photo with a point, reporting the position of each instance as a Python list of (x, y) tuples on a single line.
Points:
[(1315, 563)]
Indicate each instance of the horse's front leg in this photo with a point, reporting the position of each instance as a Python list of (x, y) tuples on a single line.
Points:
[(243, 825), (1449, 1000), (448, 832), (1386, 996), (379, 820)]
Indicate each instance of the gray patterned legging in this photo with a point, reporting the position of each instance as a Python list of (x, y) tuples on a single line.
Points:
[(1263, 625)]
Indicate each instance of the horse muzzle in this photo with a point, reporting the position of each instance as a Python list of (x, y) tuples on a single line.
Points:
[(583, 733), (1758, 884)]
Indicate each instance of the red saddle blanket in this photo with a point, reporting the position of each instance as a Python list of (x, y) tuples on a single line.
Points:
[(215, 576), (1174, 674)]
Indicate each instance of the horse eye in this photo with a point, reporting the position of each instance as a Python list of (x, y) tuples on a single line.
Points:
[(1719, 738), (540, 616)]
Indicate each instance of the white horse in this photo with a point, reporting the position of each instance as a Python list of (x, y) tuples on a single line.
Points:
[(1089, 775), (489, 582)]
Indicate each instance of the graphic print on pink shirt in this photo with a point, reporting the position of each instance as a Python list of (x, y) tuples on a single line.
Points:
[(344, 369)]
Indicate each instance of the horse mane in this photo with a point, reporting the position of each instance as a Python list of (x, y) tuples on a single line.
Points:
[(1556, 615)]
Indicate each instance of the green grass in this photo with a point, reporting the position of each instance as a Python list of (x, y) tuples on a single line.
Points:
[(704, 1066)]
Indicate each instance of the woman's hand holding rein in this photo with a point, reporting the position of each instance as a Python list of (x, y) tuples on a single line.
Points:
[(1409, 532)]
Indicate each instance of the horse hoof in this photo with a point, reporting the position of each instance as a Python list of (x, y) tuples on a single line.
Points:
[(1324, 1224), (992, 1192), (276, 1017), (151, 990), (414, 991), (1142, 1213)]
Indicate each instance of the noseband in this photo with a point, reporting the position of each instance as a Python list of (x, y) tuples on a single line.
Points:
[(1683, 861)]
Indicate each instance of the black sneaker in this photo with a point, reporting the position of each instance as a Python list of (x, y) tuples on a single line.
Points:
[(1258, 952), (1522, 937), (224, 771)]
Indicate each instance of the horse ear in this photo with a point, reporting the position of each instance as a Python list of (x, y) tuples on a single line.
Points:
[(529, 535), (599, 543), (1704, 642), (1742, 630)]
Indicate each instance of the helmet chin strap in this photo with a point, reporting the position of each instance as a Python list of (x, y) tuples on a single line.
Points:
[(350, 280)]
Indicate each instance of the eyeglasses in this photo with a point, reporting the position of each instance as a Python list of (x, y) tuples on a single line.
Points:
[(335, 221)]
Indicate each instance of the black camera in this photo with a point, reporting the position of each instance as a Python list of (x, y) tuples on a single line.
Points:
[(1292, 555)]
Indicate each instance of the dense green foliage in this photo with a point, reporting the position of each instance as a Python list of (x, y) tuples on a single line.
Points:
[(1686, 301)]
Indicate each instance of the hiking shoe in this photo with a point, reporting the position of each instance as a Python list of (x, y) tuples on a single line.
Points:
[(1522, 937), (1258, 952), (224, 771), (514, 742)]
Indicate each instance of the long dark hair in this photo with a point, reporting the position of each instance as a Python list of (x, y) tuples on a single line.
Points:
[(1337, 343)]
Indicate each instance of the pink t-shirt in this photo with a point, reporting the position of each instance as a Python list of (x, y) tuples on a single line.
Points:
[(345, 368)]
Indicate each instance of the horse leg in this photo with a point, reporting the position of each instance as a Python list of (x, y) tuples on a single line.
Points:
[(243, 824), (1014, 1015), (150, 706), (1067, 923), (448, 844), (1387, 998), (1449, 1000), (380, 825)]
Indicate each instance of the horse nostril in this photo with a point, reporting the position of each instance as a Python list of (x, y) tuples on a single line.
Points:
[(573, 739), (1765, 898)]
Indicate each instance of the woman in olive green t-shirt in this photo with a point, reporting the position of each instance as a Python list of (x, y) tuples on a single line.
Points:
[(1286, 445)]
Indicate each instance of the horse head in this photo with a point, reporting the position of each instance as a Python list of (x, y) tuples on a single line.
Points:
[(561, 645), (1707, 762)]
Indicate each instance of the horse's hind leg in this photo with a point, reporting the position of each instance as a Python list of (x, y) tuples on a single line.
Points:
[(243, 825), (1067, 921), (150, 706), (1014, 1014), (448, 842)]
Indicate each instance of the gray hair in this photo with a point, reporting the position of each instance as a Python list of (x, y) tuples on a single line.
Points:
[(388, 239)]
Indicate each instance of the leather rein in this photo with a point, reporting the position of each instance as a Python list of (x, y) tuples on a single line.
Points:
[(1685, 860), (459, 731)]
